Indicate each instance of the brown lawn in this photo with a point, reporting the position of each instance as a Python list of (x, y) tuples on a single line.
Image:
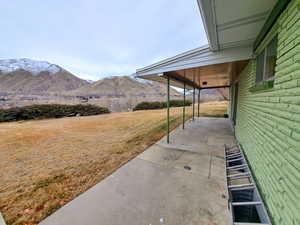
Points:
[(47, 163)]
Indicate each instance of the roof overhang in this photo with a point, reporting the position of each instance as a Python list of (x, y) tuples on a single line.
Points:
[(208, 15), (233, 23), (200, 68), (231, 27)]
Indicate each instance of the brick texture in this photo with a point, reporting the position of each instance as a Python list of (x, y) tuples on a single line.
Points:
[(268, 124)]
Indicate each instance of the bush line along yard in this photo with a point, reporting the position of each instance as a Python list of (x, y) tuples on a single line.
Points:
[(161, 105), (45, 111), (49, 162), (49, 111)]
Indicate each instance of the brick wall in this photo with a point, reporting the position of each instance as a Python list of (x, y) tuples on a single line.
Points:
[(268, 123)]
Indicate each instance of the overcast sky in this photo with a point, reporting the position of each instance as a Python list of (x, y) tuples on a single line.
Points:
[(96, 38)]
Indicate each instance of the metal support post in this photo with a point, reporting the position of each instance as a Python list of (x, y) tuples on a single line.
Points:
[(183, 113), (199, 102), (168, 110), (194, 104)]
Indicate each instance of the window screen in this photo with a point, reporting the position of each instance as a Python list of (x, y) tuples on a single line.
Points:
[(271, 59), (260, 67)]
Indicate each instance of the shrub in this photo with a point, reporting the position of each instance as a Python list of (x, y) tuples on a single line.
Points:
[(49, 111), (179, 103), (160, 105), (149, 105)]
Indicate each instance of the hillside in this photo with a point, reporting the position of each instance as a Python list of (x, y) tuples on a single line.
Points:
[(27, 76), (208, 95), (121, 86), (122, 93), (26, 81)]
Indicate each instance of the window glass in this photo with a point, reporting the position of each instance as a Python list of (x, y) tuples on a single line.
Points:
[(260, 67), (271, 59)]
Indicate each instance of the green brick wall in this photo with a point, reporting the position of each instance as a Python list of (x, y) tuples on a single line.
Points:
[(268, 123)]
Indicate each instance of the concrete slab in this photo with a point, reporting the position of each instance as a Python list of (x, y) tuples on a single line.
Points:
[(178, 159), (199, 164), (160, 155), (155, 188), (205, 135)]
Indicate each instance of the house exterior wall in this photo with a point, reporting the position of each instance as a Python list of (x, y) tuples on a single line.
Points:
[(268, 122)]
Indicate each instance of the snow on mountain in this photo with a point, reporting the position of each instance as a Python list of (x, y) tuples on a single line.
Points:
[(133, 76), (27, 76), (33, 66), (90, 81)]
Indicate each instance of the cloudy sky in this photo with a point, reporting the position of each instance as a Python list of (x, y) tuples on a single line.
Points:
[(96, 38)]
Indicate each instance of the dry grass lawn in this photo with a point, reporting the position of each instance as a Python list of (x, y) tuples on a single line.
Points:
[(47, 163)]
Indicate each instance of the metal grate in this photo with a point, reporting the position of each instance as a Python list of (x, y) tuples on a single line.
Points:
[(244, 201)]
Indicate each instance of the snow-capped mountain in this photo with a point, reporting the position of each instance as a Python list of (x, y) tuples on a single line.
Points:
[(30, 65), (90, 81), (27, 76)]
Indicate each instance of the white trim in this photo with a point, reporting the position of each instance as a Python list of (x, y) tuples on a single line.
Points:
[(243, 21), (265, 65), (265, 52), (208, 15), (235, 44), (175, 58), (162, 79), (196, 58)]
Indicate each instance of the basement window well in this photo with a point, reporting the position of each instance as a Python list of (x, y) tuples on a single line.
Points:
[(246, 214), (244, 202)]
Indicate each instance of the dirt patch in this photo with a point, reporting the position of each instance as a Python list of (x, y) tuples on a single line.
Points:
[(47, 163)]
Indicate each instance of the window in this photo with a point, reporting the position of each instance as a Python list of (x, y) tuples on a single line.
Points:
[(260, 67), (271, 55), (266, 62)]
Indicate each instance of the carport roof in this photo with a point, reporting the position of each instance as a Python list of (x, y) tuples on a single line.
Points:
[(200, 68)]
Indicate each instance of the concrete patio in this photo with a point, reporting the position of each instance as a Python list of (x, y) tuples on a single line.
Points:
[(181, 183)]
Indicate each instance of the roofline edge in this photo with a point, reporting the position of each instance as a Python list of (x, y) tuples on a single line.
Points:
[(169, 60), (208, 15)]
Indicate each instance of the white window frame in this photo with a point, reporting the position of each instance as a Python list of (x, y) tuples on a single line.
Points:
[(264, 75)]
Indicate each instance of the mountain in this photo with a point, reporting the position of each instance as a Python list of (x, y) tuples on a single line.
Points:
[(27, 76), (121, 86), (26, 81), (208, 95), (90, 81), (122, 93)]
